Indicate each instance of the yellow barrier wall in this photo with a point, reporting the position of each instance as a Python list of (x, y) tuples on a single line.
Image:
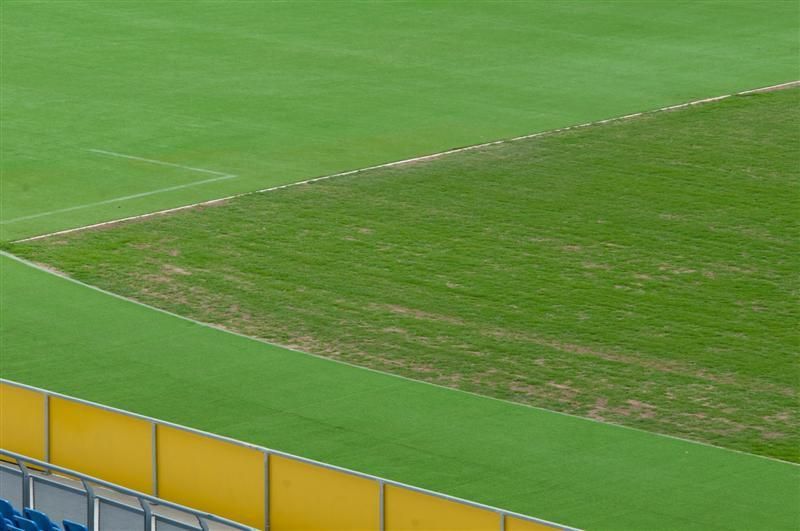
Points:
[(220, 477), (313, 498), (516, 524), (22, 427), (111, 446), (407, 509)]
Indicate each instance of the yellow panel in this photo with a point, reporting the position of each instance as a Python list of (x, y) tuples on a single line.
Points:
[(309, 498), (101, 443), (517, 524), (408, 509), (22, 421), (211, 475)]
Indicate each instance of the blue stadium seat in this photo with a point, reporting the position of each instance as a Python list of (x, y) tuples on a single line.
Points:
[(7, 510), (33, 520), (8, 525), (26, 525), (41, 520)]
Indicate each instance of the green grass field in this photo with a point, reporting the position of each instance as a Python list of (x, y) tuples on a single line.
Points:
[(456, 280), (640, 272), (565, 469), (279, 92)]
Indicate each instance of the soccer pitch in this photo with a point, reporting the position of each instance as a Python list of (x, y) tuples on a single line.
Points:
[(115, 109), (270, 94), (636, 272), (462, 444)]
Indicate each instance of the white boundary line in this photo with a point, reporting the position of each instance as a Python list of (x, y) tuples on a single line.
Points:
[(154, 161), (788, 84), (116, 200), (452, 389), (221, 177)]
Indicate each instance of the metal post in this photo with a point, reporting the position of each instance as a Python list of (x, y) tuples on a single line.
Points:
[(155, 459), (148, 514), (502, 522), (27, 486), (266, 491), (381, 505), (202, 522), (91, 520)]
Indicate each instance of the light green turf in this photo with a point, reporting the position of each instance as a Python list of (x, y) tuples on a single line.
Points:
[(640, 272), (561, 468), (278, 92)]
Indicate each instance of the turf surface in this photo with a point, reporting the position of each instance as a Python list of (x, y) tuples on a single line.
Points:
[(283, 92), (640, 272), (278, 92), (565, 469)]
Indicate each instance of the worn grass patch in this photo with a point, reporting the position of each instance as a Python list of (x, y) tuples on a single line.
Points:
[(641, 272)]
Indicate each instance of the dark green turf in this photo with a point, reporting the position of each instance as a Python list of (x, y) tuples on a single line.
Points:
[(640, 272), (279, 92), (71, 339)]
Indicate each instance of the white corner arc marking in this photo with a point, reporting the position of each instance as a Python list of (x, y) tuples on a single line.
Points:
[(220, 177)]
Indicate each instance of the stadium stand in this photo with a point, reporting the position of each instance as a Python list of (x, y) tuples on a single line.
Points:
[(31, 520)]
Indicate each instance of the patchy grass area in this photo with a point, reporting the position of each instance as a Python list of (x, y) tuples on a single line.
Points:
[(641, 272), (565, 469)]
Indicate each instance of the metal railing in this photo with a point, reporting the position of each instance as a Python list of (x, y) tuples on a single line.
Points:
[(502, 515), (70, 478)]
